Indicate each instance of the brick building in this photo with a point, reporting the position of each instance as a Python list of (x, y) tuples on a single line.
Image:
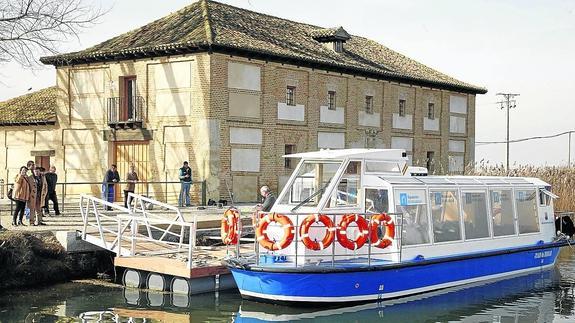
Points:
[(233, 90)]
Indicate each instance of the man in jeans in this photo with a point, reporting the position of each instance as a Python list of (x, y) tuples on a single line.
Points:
[(51, 180), (186, 180)]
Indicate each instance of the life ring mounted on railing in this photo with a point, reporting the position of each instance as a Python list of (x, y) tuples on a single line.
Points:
[(387, 238), (329, 232), (262, 234), (230, 226), (362, 226)]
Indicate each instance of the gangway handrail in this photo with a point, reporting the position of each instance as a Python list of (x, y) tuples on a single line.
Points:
[(181, 245), (91, 206), (140, 200)]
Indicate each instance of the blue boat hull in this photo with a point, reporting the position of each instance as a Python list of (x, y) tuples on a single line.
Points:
[(386, 282)]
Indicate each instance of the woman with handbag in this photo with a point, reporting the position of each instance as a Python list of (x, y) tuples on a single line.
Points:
[(20, 194)]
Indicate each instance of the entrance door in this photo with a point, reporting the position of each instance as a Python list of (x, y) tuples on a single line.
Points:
[(137, 153), (42, 161)]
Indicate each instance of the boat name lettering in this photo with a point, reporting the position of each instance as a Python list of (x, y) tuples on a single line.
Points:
[(543, 254)]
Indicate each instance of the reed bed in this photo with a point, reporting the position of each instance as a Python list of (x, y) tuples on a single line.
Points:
[(561, 179)]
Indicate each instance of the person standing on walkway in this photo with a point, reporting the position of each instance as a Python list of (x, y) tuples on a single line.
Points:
[(37, 196), (20, 195), (186, 182), (131, 180), (51, 180), (112, 177), (30, 165)]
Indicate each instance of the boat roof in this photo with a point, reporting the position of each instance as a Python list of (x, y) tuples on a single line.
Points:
[(359, 153), (463, 180)]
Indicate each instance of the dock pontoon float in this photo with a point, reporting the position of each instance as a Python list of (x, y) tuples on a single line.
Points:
[(359, 225)]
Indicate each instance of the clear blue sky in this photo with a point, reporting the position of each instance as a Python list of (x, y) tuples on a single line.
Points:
[(520, 46)]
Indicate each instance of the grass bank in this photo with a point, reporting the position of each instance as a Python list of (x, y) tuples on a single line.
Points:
[(36, 258)]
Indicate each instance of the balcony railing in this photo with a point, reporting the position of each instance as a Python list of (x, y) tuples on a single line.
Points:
[(126, 112)]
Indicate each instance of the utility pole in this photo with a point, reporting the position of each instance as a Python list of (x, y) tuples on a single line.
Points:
[(507, 103)]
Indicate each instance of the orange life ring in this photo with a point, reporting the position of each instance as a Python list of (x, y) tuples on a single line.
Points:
[(387, 239), (262, 234), (341, 233), (229, 227), (329, 231)]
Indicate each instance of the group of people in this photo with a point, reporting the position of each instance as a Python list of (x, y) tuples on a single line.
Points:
[(112, 177), (33, 188)]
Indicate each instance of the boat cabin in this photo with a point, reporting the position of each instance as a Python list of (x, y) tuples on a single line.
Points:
[(428, 216)]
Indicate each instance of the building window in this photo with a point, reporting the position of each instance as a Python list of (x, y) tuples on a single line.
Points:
[(290, 95), (338, 46), (431, 111), (369, 104), (289, 149), (401, 108), (430, 162), (331, 100)]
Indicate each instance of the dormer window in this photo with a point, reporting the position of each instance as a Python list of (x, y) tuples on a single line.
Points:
[(332, 38), (338, 46)]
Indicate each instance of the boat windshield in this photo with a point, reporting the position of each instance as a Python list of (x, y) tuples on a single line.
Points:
[(311, 180)]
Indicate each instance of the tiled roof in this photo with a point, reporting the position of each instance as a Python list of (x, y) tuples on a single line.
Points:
[(34, 108), (213, 26)]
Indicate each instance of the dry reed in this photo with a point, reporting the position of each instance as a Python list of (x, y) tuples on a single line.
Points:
[(561, 179)]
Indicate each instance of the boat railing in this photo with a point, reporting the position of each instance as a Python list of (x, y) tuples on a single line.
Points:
[(335, 254)]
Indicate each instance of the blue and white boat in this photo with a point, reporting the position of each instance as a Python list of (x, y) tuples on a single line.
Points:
[(359, 225)]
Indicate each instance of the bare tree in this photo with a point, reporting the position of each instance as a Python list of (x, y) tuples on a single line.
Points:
[(35, 27)]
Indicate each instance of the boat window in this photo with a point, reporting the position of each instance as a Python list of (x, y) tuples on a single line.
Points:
[(502, 212), (445, 216), (526, 204), (545, 197), (346, 193), (475, 215), (310, 182), (382, 167), (376, 200), (412, 204)]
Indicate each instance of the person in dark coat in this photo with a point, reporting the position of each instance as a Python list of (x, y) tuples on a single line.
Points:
[(269, 199), (110, 179), (51, 180)]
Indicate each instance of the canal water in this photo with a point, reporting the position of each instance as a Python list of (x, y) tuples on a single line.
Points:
[(547, 296)]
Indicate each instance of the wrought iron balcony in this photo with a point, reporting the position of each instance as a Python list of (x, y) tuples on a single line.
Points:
[(126, 112)]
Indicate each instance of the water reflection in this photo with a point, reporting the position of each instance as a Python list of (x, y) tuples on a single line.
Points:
[(540, 297)]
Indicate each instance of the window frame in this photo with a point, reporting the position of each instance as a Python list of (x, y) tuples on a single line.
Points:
[(369, 104), (331, 100), (394, 191), (431, 110), (288, 161), (513, 212), (402, 107), (515, 209), (290, 96), (457, 190), (430, 161), (486, 194)]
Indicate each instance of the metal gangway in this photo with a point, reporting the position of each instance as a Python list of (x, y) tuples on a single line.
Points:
[(147, 228)]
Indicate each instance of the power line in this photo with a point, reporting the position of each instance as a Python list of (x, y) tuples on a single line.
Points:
[(524, 139)]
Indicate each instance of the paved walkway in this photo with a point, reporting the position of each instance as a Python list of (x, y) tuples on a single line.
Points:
[(71, 220)]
